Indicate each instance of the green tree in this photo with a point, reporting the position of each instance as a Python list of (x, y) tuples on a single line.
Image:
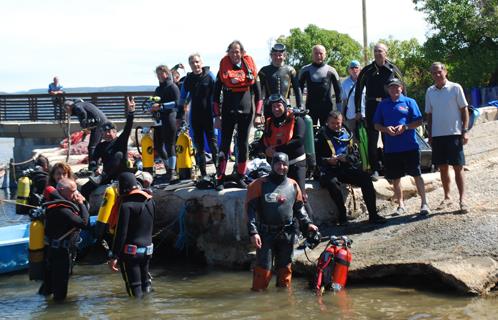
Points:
[(341, 48), (464, 36), (408, 56)]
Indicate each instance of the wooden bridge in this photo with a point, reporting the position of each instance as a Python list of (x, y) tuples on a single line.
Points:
[(36, 115)]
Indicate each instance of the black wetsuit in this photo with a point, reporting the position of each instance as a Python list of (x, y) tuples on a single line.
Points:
[(199, 88), (60, 249), (319, 80), (237, 109), (165, 135), (278, 80), (350, 173), (134, 228), (90, 117), (114, 156), (39, 179), (374, 78)]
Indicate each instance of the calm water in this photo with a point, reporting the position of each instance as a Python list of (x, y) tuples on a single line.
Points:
[(182, 293), (186, 292)]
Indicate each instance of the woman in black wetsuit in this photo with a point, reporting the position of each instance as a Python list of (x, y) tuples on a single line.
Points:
[(165, 134), (237, 80)]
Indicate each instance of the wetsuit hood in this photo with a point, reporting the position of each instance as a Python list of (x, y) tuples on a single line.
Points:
[(278, 157), (127, 182)]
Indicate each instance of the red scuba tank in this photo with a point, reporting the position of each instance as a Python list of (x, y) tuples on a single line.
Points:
[(325, 269), (342, 260)]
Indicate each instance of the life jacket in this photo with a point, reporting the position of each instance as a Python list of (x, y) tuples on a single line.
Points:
[(345, 139), (238, 80), (113, 218), (275, 136)]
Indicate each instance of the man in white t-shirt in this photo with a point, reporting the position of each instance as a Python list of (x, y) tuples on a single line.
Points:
[(448, 121)]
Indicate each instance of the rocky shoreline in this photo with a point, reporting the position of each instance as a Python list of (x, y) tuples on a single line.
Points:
[(457, 251)]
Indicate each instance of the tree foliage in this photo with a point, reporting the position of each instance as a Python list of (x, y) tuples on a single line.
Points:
[(464, 35), (408, 56), (341, 48)]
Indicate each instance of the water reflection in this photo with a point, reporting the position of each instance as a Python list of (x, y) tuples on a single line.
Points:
[(194, 293)]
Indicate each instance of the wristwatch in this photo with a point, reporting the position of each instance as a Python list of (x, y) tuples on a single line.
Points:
[(465, 130), (405, 126)]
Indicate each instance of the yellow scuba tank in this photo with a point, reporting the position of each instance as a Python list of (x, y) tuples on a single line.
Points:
[(184, 154), (23, 189), (36, 252), (147, 151), (110, 197)]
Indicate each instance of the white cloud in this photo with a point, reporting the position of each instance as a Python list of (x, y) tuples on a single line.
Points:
[(97, 43)]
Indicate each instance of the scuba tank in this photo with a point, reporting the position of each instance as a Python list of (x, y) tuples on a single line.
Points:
[(147, 151), (36, 244), (333, 265), (110, 197), (309, 143), (309, 138), (23, 190), (184, 154), (342, 260)]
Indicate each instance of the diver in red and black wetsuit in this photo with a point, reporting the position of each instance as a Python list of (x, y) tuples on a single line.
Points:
[(237, 79), (274, 207)]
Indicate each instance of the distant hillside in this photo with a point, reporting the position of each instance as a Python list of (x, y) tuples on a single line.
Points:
[(94, 89)]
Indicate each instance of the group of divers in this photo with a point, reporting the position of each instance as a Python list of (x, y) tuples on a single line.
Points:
[(236, 99)]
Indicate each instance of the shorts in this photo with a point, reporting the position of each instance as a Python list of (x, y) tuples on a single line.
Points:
[(448, 150), (399, 164)]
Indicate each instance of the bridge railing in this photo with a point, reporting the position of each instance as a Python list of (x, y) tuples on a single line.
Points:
[(41, 107)]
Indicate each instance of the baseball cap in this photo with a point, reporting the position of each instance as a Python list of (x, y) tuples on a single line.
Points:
[(394, 81), (354, 64)]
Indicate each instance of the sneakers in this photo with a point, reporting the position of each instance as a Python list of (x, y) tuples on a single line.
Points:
[(424, 210), (464, 209), (399, 211), (376, 219)]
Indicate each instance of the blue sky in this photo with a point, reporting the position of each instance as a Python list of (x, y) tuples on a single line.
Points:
[(106, 43)]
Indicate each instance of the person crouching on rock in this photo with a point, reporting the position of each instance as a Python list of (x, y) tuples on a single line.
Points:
[(63, 220), (112, 152), (339, 163), (284, 132), (91, 118), (132, 247), (273, 204)]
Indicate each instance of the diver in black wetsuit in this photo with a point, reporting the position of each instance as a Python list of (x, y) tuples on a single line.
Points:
[(62, 223), (237, 78), (198, 87), (90, 118), (113, 151), (171, 115), (132, 247), (320, 79), (373, 78), (278, 78)]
